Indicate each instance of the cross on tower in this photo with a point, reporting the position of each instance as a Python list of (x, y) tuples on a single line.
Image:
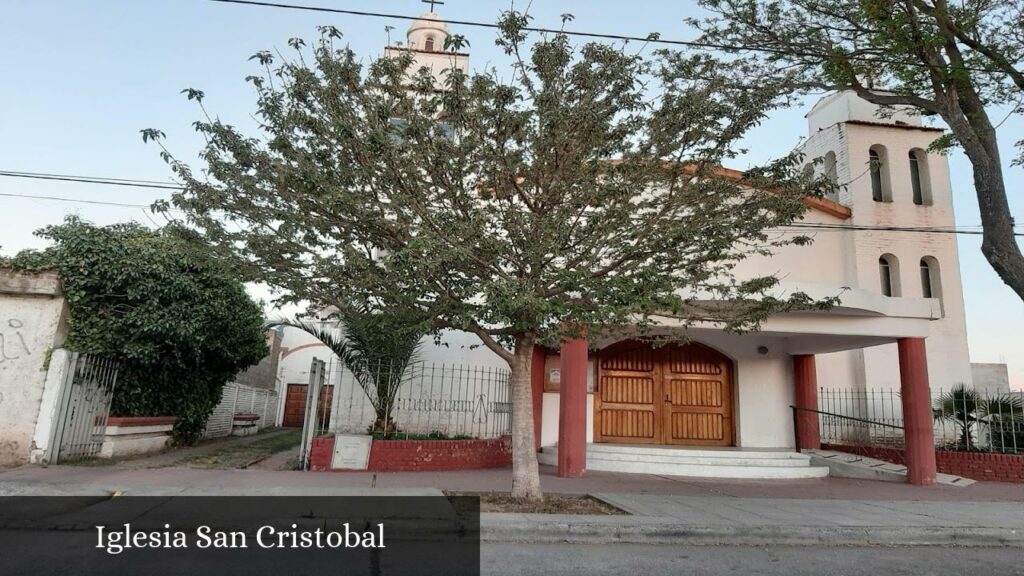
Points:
[(432, 2)]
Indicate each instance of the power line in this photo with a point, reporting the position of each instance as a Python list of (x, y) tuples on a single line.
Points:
[(92, 180), (798, 225), (653, 39), (21, 173), (75, 200), (867, 228)]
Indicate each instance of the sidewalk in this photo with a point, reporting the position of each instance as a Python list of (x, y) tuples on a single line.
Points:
[(663, 510), (660, 519)]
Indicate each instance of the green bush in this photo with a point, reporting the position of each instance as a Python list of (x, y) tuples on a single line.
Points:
[(178, 320)]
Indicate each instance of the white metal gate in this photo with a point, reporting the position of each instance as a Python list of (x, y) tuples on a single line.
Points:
[(84, 405)]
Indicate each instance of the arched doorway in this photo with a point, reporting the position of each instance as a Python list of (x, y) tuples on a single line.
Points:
[(674, 394)]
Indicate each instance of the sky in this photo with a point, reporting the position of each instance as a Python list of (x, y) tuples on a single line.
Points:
[(80, 79)]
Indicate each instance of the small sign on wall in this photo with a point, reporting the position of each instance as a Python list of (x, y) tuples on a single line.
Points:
[(351, 452), (553, 373)]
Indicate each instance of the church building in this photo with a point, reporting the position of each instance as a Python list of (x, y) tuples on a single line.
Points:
[(900, 324)]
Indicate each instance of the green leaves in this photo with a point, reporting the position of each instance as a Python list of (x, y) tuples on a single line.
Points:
[(456, 42), (264, 57), (583, 190), (332, 32), (151, 134), (180, 322), (193, 94)]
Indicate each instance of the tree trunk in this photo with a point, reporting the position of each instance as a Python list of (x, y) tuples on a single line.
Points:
[(999, 245), (525, 473)]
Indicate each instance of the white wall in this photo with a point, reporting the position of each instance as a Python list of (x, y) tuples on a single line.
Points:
[(991, 378), (32, 324), (820, 262)]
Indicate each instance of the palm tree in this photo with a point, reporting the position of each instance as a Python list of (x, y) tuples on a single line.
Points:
[(376, 347), (966, 408)]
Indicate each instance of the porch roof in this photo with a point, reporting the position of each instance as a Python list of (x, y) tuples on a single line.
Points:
[(861, 320)]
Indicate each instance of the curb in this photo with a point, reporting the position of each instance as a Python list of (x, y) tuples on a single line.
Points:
[(657, 530)]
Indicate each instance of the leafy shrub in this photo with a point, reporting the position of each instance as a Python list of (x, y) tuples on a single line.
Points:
[(180, 322)]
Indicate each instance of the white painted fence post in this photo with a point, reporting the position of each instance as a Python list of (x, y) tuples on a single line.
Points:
[(50, 407)]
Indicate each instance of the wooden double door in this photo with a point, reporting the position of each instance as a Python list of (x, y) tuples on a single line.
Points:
[(295, 405), (674, 394)]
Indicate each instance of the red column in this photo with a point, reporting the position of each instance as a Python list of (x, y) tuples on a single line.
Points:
[(537, 385), (572, 410), (919, 443), (805, 385)]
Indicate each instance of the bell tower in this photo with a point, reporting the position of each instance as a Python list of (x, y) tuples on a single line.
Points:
[(425, 40), (898, 191)]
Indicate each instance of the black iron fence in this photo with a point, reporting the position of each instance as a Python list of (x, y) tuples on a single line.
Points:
[(840, 429), (964, 419), (427, 399)]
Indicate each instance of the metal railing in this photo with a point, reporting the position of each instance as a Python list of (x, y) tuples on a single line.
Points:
[(840, 429), (964, 419), (444, 400), (241, 399)]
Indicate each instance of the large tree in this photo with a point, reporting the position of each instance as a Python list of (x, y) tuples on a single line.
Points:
[(578, 191), (961, 61), (179, 321)]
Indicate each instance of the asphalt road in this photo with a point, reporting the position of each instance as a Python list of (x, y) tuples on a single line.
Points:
[(641, 560)]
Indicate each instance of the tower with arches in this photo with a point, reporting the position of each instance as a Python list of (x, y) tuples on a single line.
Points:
[(426, 41), (885, 174)]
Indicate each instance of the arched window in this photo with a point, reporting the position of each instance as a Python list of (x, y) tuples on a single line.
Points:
[(429, 45), (830, 168), (879, 174), (930, 286), (926, 279), (832, 175), (919, 177), (889, 275)]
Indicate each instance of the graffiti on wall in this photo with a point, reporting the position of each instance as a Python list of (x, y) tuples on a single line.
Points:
[(12, 341)]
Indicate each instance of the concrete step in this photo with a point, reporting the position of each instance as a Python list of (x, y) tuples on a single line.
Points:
[(699, 463), (669, 454), (844, 465), (682, 458)]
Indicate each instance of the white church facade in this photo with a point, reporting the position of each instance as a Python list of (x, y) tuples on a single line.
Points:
[(900, 324)]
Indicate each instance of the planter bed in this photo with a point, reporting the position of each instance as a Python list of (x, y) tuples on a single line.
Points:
[(135, 435)]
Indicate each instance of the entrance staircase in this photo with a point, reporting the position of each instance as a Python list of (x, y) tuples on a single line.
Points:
[(696, 462)]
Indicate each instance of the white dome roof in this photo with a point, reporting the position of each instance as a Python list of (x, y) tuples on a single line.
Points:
[(429, 21)]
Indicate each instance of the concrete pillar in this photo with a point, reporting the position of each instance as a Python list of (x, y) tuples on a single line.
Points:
[(919, 443), (572, 409), (805, 385), (537, 386)]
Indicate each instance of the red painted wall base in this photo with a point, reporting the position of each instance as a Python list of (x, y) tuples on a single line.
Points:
[(422, 455)]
